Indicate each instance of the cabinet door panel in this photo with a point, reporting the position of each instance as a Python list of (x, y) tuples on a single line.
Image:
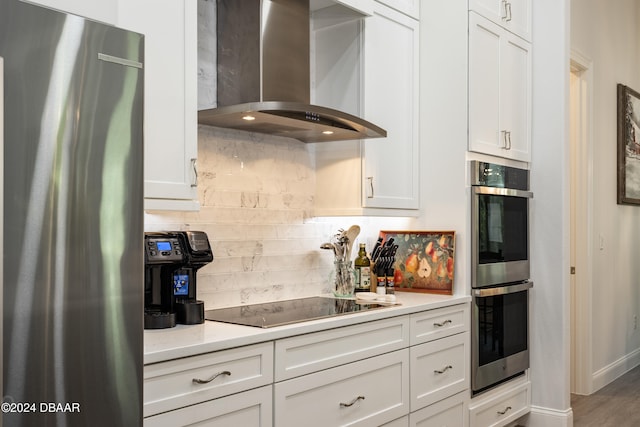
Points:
[(391, 85), (439, 369), (513, 15), (516, 96), (408, 7), (448, 412), (370, 392), (250, 408), (484, 86), (499, 91), (170, 97)]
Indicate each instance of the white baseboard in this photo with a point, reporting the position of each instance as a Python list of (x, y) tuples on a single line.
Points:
[(616, 369), (545, 417)]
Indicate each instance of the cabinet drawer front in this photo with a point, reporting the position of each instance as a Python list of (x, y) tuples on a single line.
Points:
[(304, 354), (502, 410), (250, 408), (171, 385), (439, 369), (439, 323), (451, 412), (375, 391)]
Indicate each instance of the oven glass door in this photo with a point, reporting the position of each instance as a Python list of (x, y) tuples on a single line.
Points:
[(500, 334), (502, 228), (500, 236)]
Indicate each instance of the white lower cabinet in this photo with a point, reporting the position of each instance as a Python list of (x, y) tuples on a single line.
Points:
[(409, 370), (502, 406), (370, 392), (309, 353), (399, 422), (450, 412), (182, 382), (439, 369), (250, 408)]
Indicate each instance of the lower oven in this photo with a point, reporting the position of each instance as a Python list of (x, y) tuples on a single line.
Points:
[(499, 335)]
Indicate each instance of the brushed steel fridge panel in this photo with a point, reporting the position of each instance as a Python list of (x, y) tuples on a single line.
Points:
[(1, 205), (73, 149)]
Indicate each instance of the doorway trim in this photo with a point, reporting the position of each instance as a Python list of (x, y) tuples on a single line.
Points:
[(581, 87)]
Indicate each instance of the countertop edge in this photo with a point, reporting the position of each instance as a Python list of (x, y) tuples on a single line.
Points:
[(191, 340)]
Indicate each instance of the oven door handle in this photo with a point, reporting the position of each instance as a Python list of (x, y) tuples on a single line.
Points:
[(502, 290), (497, 191)]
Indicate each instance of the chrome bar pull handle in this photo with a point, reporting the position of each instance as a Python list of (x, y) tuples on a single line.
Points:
[(441, 324), (507, 409), (506, 13), (370, 195), (213, 377), (508, 141), (504, 139), (346, 405), (509, 12), (194, 166), (443, 370)]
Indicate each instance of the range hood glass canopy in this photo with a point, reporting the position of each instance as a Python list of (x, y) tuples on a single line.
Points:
[(263, 75)]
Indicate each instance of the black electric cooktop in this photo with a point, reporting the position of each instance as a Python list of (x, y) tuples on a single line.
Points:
[(280, 313)]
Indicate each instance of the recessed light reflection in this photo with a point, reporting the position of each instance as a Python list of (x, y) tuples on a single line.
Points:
[(248, 117), (327, 132)]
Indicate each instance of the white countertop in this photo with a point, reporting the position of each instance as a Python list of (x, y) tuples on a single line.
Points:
[(182, 341)]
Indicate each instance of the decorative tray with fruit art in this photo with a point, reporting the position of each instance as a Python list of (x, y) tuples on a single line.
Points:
[(424, 260)]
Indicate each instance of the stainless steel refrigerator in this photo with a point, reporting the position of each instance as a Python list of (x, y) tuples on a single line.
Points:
[(72, 220)]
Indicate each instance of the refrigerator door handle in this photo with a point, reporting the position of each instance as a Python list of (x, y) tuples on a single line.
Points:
[(121, 61)]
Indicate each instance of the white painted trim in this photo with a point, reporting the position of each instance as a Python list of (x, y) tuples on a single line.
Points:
[(616, 369), (545, 417), (582, 330)]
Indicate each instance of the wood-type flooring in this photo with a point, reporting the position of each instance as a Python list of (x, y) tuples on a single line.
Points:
[(617, 404)]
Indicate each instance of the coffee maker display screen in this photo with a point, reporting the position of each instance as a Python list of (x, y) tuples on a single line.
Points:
[(181, 284), (163, 246)]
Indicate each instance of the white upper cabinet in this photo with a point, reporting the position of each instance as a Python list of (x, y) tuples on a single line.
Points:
[(514, 15), (369, 67), (499, 91), (97, 10), (408, 7), (170, 99), (391, 101)]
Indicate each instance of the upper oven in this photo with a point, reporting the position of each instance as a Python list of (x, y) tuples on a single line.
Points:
[(500, 224)]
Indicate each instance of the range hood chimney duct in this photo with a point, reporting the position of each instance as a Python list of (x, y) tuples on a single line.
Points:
[(264, 75)]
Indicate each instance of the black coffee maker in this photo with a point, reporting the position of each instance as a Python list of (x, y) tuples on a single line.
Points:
[(172, 260)]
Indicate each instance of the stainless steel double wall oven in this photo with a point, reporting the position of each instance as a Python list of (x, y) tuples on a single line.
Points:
[(500, 278)]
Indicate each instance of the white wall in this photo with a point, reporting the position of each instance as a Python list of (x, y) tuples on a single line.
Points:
[(609, 36), (549, 331)]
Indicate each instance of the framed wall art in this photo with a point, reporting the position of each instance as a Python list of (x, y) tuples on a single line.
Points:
[(424, 260), (628, 146)]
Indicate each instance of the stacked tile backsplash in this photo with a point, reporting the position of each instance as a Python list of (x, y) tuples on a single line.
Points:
[(256, 193)]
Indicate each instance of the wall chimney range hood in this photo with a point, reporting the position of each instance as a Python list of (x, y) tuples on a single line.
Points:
[(263, 50)]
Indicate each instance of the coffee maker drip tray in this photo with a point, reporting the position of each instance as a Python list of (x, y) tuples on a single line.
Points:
[(270, 314)]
